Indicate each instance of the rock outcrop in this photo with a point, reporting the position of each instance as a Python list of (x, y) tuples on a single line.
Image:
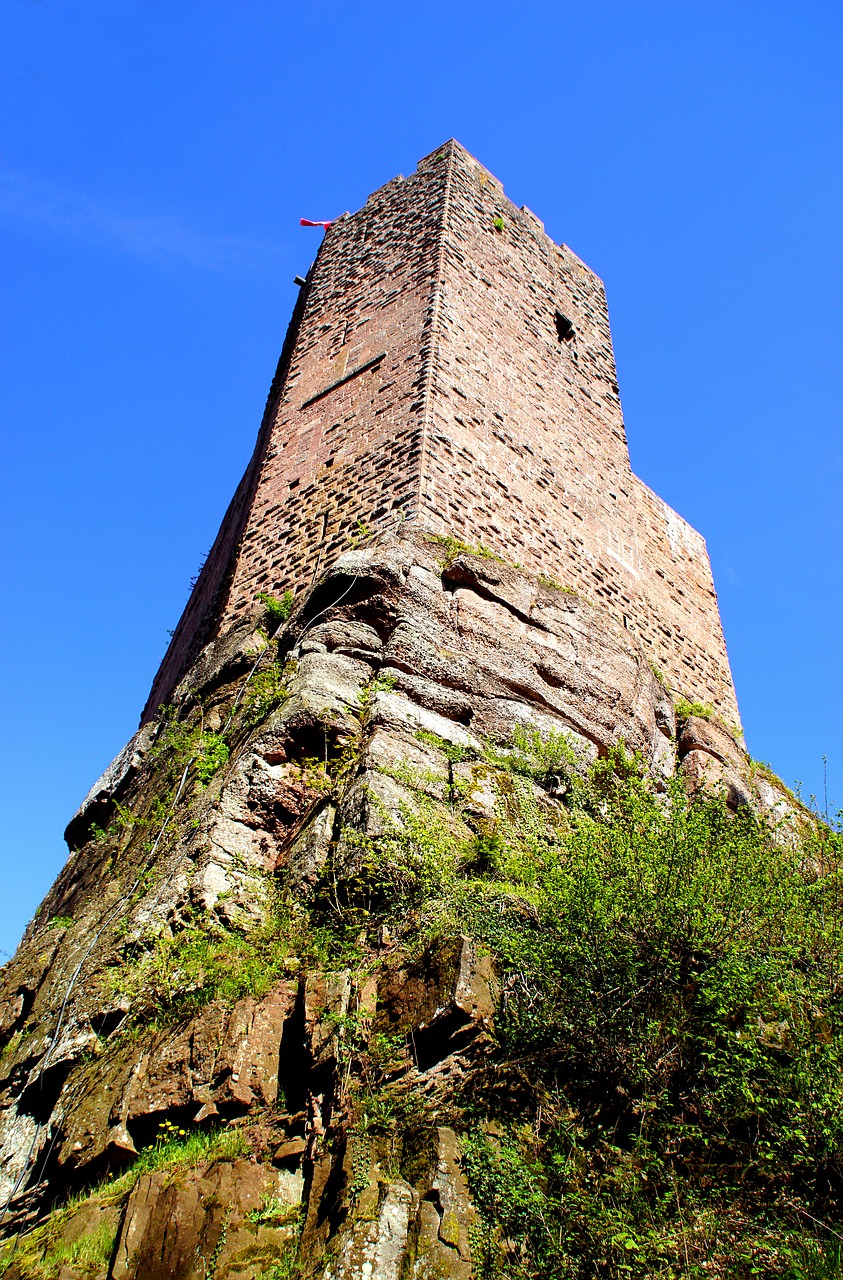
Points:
[(208, 1028)]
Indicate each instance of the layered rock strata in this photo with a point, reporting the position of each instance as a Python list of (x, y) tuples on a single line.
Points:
[(179, 985)]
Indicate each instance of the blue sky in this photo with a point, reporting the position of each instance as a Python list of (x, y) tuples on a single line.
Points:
[(155, 157)]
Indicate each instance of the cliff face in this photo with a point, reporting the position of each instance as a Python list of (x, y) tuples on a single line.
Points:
[(242, 1013)]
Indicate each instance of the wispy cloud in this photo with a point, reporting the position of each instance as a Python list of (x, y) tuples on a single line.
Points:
[(77, 216)]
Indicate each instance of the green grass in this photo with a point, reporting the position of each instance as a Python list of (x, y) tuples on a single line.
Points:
[(455, 547), (203, 962), (41, 1254)]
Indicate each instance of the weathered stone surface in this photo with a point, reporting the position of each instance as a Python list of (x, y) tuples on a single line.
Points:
[(377, 1245), (440, 1002), (53, 1255), (700, 734), (195, 1224), (442, 1244), (703, 771), (222, 1060), (410, 689), (97, 805)]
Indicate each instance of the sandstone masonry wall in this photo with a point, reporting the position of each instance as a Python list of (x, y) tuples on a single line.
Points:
[(450, 364)]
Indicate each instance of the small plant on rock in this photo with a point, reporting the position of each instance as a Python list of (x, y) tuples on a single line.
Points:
[(278, 609)]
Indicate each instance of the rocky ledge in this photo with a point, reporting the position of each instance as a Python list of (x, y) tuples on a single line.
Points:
[(237, 1041)]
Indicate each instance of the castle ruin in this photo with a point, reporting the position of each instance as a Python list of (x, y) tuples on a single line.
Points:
[(449, 365)]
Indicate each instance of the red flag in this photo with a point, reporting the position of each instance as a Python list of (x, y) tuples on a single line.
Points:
[(306, 222)]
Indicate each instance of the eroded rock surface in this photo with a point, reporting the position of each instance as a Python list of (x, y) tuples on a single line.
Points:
[(390, 698)]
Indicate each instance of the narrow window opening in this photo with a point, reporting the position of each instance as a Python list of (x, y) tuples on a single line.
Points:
[(565, 331)]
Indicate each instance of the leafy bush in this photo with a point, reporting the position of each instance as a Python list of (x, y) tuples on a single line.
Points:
[(673, 1008), (666, 1094), (684, 708), (204, 962), (277, 609)]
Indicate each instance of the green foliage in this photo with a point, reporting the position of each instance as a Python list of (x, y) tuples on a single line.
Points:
[(552, 585), (668, 1079), (542, 757), (287, 1266), (454, 548), (267, 689), (60, 922), (499, 224), (175, 1148), (180, 742), (278, 609), (381, 683), (684, 708), (673, 1005), (360, 533), (212, 753), (662, 679), (203, 962)]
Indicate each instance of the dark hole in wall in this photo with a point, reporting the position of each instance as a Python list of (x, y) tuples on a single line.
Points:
[(447, 1035), (294, 1062), (105, 1022), (565, 330), (40, 1098)]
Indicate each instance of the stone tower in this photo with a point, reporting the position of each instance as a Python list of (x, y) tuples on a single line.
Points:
[(448, 364), (298, 951)]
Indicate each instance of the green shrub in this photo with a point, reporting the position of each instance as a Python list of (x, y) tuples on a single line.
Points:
[(667, 1083), (278, 609), (455, 547), (684, 708), (204, 961)]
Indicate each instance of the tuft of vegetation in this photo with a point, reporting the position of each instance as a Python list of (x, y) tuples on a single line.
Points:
[(665, 1095), (278, 608), (455, 547), (684, 708), (60, 922), (499, 224), (553, 585), (663, 681), (176, 1149)]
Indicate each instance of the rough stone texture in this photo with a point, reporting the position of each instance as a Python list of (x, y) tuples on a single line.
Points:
[(192, 1225), (428, 376), (409, 661)]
